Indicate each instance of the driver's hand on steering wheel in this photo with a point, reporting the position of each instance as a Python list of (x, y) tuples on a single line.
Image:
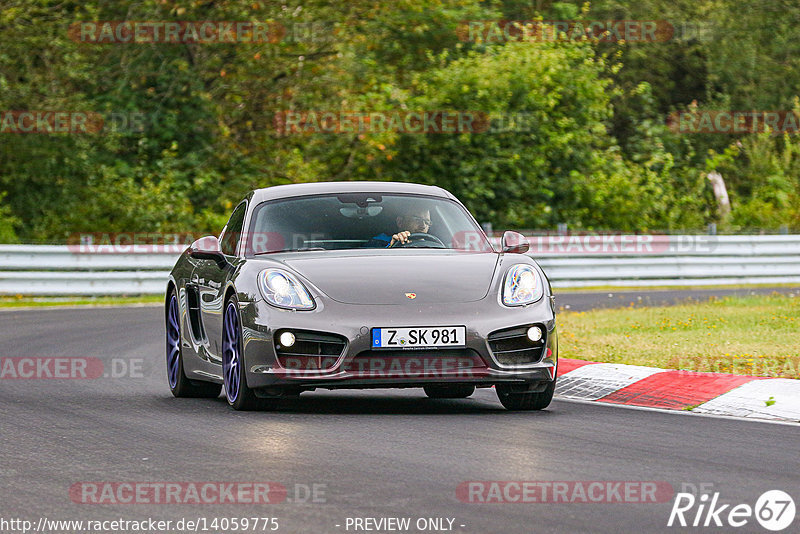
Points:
[(400, 237)]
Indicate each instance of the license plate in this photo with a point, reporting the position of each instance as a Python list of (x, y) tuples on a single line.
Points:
[(428, 337)]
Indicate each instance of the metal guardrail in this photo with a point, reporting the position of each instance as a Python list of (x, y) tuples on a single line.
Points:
[(68, 270), (639, 261), (569, 261)]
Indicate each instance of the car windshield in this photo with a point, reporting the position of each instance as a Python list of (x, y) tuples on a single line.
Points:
[(358, 221)]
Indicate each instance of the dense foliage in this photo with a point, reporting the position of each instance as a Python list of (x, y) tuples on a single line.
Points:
[(595, 151)]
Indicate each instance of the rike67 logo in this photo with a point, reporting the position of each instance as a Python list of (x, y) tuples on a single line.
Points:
[(774, 510)]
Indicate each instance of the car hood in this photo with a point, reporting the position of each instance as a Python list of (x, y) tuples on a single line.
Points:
[(395, 277)]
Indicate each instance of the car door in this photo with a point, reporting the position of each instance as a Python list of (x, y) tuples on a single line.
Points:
[(211, 279)]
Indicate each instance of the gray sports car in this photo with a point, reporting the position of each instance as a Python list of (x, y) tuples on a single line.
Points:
[(358, 285)]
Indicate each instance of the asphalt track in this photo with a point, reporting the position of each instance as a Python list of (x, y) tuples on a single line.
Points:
[(382, 453)]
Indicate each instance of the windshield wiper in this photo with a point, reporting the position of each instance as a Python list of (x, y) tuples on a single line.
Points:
[(306, 249)]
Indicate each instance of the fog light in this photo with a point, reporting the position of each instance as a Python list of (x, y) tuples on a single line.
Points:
[(534, 333), (287, 339)]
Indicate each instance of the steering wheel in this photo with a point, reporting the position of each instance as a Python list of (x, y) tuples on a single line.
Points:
[(419, 237)]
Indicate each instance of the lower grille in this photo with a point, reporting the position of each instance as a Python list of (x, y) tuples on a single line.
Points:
[(415, 363), (512, 346), (312, 351)]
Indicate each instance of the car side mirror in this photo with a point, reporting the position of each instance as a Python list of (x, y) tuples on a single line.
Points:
[(207, 248), (514, 243)]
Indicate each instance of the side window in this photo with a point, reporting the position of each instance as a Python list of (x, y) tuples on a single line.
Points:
[(232, 232)]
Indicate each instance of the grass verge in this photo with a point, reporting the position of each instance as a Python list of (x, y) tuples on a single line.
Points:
[(27, 302), (753, 335), (621, 289)]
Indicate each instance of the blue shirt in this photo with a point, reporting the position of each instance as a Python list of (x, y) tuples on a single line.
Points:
[(382, 240)]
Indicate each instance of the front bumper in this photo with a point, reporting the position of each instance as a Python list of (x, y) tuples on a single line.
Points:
[(474, 364)]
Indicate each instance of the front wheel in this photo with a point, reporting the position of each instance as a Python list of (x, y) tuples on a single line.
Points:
[(240, 397), (516, 401), (179, 385)]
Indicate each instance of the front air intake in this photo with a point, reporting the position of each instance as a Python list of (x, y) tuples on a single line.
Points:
[(311, 351), (513, 347)]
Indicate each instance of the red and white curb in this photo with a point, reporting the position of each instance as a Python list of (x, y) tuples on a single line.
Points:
[(708, 393)]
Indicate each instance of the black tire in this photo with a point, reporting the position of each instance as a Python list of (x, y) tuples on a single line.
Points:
[(243, 398), (515, 401), (179, 385), (455, 391)]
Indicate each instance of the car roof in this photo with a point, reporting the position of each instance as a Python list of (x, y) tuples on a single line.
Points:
[(322, 188)]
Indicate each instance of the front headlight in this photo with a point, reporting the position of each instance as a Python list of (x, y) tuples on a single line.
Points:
[(522, 286), (280, 288)]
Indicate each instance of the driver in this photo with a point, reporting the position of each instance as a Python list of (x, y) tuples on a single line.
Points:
[(415, 221)]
